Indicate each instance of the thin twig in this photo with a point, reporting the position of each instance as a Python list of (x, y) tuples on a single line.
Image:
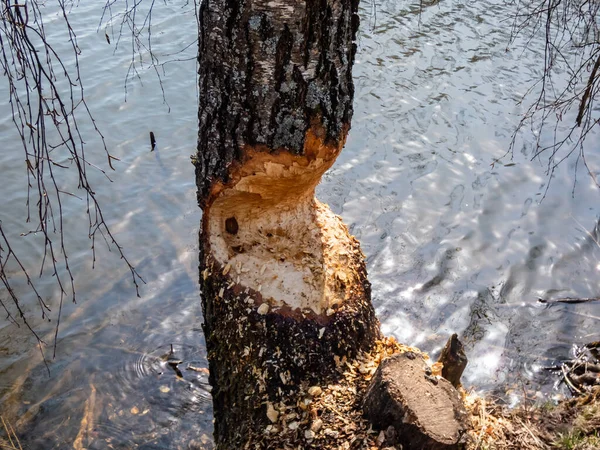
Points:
[(13, 439), (569, 300), (48, 118), (571, 47), (568, 381)]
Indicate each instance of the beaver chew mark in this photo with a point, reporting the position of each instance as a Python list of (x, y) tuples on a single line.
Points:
[(280, 241)]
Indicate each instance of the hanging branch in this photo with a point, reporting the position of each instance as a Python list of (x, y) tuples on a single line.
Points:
[(47, 118), (134, 24), (572, 45)]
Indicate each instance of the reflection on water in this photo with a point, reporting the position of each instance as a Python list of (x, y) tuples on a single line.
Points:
[(129, 375), (454, 242)]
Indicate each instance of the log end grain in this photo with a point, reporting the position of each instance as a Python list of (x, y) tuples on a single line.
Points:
[(426, 412)]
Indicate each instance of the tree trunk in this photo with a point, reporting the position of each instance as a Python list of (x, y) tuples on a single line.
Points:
[(284, 289)]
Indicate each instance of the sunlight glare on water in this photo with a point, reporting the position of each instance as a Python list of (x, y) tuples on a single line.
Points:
[(456, 241)]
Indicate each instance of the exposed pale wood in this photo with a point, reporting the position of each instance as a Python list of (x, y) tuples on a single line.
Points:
[(284, 288), (426, 412)]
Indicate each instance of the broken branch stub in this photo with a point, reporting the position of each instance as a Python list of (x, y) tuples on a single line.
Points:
[(454, 360)]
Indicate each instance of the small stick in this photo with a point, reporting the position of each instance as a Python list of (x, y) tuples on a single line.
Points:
[(568, 381), (589, 379), (152, 141), (569, 300)]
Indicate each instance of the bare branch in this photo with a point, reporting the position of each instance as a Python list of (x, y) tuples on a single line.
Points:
[(47, 118), (572, 47), (133, 22)]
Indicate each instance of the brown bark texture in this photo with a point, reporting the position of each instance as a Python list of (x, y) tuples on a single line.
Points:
[(269, 70), (284, 287)]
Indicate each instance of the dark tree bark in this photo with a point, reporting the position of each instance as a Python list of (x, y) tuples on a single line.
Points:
[(284, 287), (275, 76)]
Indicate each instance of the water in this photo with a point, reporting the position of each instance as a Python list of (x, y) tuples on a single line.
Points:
[(454, 243)]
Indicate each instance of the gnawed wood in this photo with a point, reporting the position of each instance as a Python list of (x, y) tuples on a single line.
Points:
[(454, 360), (285, 295), (426, 412), (269, 71), (281, 243), (284, 287), (260, 356)]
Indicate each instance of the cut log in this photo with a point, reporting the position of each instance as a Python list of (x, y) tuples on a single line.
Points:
[(426, 412)]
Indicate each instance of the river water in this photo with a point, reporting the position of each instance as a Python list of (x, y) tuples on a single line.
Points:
[(454, 242)]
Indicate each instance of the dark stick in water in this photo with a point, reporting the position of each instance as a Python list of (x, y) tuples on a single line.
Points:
[(569, 300), (152, 141)]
